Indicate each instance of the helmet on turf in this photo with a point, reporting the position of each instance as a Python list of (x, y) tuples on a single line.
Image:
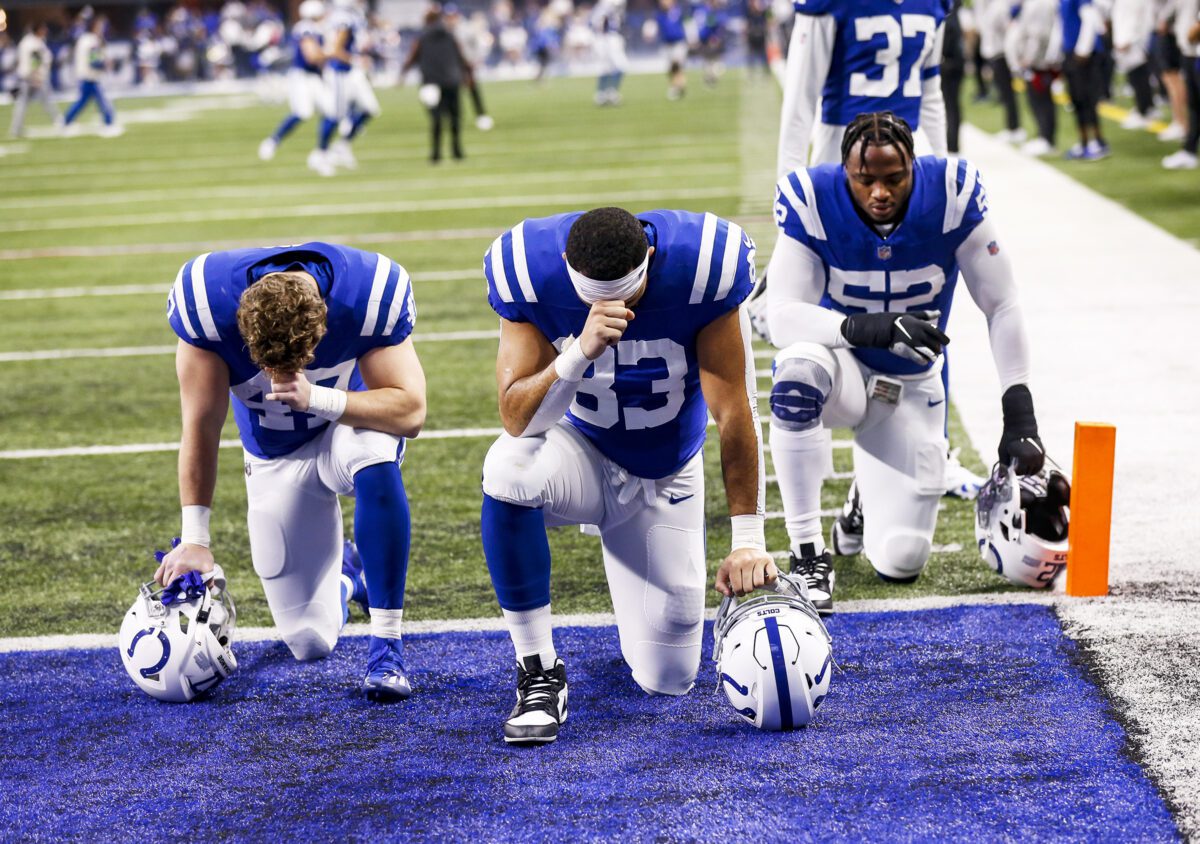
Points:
[(773, 656), (1021, 524), (179, 649)]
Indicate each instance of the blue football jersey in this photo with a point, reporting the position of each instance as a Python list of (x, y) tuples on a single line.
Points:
[(341, 20), (639, 403), (304, 29), (370, 302), (879, 56), (912, 269)]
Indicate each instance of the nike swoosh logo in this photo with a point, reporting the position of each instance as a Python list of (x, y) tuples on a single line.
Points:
[(675, 500), (933, 403)]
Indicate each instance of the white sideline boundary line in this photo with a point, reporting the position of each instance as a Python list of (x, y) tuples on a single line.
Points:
[(151, 351), (102, 641)]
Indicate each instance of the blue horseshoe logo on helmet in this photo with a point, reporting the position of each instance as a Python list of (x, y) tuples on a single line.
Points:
[(166, 650)]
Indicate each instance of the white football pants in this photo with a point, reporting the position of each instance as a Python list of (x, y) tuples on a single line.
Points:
[(306, 93), (349, 88), (295, 523), (651, 531), (899, 456)]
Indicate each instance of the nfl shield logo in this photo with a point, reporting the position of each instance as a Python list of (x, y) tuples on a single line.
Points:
[(884, 252)]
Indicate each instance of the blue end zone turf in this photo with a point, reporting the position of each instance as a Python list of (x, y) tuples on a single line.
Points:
[(967, 723)]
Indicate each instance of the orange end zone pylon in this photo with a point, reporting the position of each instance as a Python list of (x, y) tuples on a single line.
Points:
[(1091, 509)]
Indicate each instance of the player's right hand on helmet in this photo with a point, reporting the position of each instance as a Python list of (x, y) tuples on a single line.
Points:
[(180, 560), (912, 335), (605, 324)]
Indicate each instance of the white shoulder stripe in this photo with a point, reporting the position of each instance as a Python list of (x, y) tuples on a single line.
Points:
[(498, 277), (181, 306), (785, 185), (956, 200), (200, 294), (704, 264), (733, 245), (402, 295), (383, 268), (521, 263), (811, 215)]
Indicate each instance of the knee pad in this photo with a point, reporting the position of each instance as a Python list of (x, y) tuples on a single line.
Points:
[(311, 635), (904, 557), (664, 670), (802, 380), (516, 470)]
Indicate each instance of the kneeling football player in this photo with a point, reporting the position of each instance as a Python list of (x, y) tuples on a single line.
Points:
[(619, 335), (314, 343)]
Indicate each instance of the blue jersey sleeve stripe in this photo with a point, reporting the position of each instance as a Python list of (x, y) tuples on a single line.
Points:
[(200, 294), (729, 261), (521, 263), (383, 268), (499, 279), (401, 301), (708, 235), (181, 305)]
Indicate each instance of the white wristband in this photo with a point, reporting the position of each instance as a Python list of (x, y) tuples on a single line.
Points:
[(326, 402), (749, 532), (572, 363), (195, 525)]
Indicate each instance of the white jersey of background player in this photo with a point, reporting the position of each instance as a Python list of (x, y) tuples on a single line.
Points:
[(305, 85), (862, 278), (350, 101), (849, 58), (608, 18)]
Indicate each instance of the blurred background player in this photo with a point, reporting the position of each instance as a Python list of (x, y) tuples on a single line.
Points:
[(350, 100), (862, 277), (993, 18), (607, 19), (1169, 62), (91, 62), (1132, 26), (672, 34), (954, 69), (1083, 66), (1187, 35), (314, 343), (306, 88), (619, 334), (1033, 46), (440, 60), (33, 81), (475, 43), (852, 58), (711, 19)]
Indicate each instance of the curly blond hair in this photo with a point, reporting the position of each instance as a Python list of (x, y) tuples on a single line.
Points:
[(282, 319)]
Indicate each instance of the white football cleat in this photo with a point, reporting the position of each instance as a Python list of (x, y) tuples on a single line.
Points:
[(541, 703), (319, 163), (1037, 147), (1180, 160), (1174, 132), (266, 150), (484, 123), (112, 130), (341, 154), (1135, 121), (961, 482)]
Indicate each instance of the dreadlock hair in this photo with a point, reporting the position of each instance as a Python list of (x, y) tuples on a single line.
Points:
[(606, 243), (877, 129)]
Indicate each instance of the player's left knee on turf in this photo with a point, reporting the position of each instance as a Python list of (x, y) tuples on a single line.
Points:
[(903, 556), (667, 660), (310, 633)]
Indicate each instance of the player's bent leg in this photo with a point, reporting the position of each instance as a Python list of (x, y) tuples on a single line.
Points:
[(654, 562), (295, 530)]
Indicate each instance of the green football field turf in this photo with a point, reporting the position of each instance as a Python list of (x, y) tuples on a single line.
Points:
[(76, 533)]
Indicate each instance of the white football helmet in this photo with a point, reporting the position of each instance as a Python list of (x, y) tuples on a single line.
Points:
[(1021, 524), (773, 656), (177, 652), (312, 10)]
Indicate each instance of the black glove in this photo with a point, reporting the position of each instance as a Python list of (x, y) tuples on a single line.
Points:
[(1020, 442), (912, 335)]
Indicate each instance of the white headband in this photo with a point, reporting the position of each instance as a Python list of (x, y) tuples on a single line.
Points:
[(591, 291)]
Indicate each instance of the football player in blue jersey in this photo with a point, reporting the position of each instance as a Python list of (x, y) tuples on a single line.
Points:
[(862, 277), (350, 102), (314, 342), (306, 89), (619, 335), (857, 57)]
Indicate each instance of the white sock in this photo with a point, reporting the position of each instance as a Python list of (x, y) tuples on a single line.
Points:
[(385, 624), (802, 459), (532, 634)]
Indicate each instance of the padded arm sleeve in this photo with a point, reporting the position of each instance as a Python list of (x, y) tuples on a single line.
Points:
[(796, 281), (989, 279), (808, 61)]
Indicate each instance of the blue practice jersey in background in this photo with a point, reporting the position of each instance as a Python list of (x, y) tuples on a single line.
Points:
[(370, 302), (879, 56), (304, 29), (344, 20), (640, 403), (912, 269)]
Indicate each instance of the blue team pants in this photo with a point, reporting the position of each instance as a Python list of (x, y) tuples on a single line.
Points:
[(89, 90)]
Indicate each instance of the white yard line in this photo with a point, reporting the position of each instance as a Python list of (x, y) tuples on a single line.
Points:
[(356, 209), (99, 641), (147, 289), (150, 351)]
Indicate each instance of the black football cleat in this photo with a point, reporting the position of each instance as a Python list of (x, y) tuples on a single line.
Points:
[(541, 703)]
